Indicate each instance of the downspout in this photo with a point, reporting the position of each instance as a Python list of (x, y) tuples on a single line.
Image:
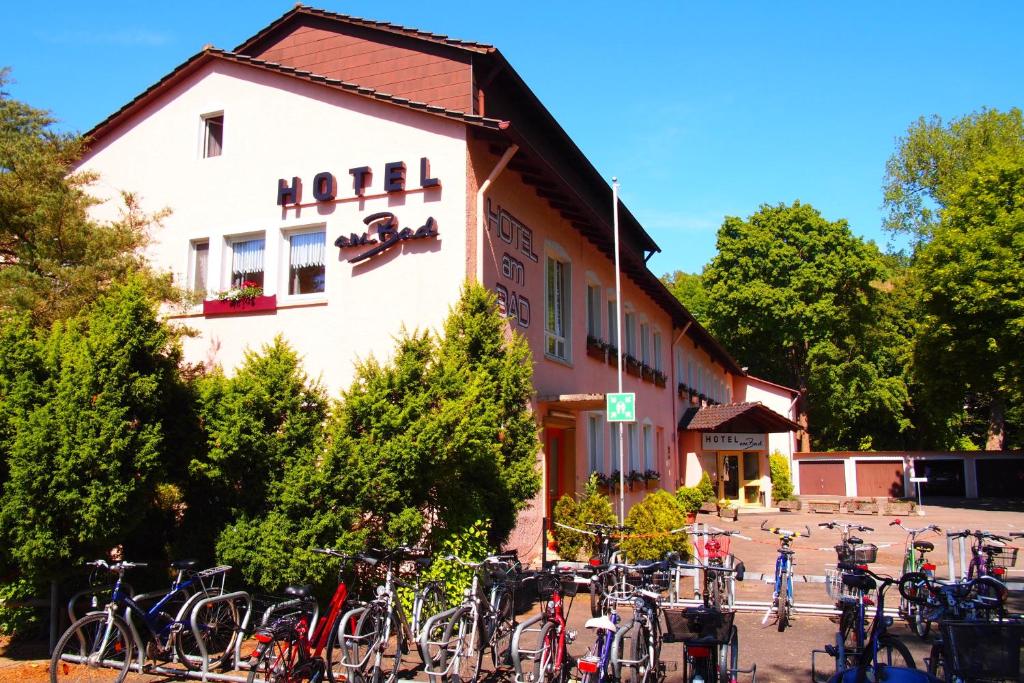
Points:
[(675, 399), (481, 217)]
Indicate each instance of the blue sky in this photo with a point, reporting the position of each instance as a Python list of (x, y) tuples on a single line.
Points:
[(701, 109)]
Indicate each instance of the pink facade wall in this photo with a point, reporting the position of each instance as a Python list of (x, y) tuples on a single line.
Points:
[(279, 127)]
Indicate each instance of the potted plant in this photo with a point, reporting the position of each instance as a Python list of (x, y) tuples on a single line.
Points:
[(646, 372), (613, 480), (246, 298), (596, 348), (690, 498), (604, 481), (782, 484)]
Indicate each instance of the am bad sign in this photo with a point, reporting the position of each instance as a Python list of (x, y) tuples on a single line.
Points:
[(325, 185), (722, 441)]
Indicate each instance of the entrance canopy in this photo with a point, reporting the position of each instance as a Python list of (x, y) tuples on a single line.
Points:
[(736, 417)]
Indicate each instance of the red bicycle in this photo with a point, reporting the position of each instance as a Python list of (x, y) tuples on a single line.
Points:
[(551, 659), (287, 652)]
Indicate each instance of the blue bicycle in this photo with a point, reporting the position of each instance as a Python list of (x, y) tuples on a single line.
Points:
[(782, 594), (100, 645)]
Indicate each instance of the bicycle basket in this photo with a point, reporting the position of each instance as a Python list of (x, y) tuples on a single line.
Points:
[(833, 583), (718, 550), (1003, 557), (697, 626), (984, 649), (547, 584), (861, 554)]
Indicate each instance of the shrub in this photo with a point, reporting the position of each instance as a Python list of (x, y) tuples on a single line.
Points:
[(469, 544), (690, 498), (707, 489), (650, 522), (17, 620), (594, 507), (782, 485)]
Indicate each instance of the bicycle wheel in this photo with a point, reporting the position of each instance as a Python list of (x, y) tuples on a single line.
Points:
[(90, 651), (463, 637), (383, 643), (892, 652), (599, 595), (218, 627), (430, 601), (782, 603), (275, 662), (643, 654), (503, 625), (936, 662)]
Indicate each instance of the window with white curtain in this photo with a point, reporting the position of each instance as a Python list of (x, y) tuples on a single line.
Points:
[(613, 449), (630, 333), (595, 442), (594, 311), (631, 445), (306, 263), (247, 256), (648, 433), (557, 315)]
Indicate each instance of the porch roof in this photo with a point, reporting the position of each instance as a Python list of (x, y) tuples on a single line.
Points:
[(574, 401), (747, 417)]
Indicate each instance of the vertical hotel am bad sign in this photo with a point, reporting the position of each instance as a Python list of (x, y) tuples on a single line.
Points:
[(724, 441)]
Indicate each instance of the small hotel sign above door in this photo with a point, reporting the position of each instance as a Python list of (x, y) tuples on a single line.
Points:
[(713, 441)]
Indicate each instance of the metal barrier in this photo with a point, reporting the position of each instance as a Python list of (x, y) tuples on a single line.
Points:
[(537, 627)]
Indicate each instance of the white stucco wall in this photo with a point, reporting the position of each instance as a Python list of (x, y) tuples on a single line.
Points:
[(779, 399), (279, 127)]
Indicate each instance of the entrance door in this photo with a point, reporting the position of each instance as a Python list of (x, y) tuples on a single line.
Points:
[(560, 470), (729, 476)]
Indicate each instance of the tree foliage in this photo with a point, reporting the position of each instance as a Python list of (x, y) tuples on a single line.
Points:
[(689, 289), (971, 273), (54, 259), (798, 297), (87, 448), (593, 507), (933, 161)]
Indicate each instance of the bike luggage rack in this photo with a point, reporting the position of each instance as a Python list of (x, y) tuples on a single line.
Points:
[(534, 627), (436, 670)]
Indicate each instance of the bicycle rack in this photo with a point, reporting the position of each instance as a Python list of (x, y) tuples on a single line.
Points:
[(440, 667), (616, 662), (345, 638), (951, 557), (236, 658), (537, 627)]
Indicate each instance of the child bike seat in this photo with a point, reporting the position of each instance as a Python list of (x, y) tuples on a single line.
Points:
[(859, 581)]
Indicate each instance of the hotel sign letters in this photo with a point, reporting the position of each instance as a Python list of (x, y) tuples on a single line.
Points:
[(519, 240), (386, 235), (714, 441), (325, 185)]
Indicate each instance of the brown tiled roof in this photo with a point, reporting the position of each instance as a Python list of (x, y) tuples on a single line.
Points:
[(210, 53), (711, 418), (368, 23)]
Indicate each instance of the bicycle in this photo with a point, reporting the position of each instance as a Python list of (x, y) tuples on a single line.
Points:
[(987, 559), (710, 638), (782, 593), (644, 630), (718, 587), (869, 665), (853, 638), (607, 553), (482, 621), (285, 648), (382, 631), (595, 664), (551, 658), (850, 550), (104, 639), (912, 562)]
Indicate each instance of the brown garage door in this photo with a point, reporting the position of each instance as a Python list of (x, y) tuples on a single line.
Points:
[(822, 478), (880, 479)]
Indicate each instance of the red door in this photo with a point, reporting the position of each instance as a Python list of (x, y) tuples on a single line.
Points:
[(559, 473)]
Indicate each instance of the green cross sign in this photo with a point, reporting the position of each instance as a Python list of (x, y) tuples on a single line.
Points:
[(621, 407)]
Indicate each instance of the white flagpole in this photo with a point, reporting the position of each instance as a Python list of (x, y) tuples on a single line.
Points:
[(618, 346)]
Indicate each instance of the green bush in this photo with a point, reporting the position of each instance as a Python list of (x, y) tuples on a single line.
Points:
[(782, 485), (707, 489), (690, 498), (469, 544), (594, 507), (17, 620), (650, 522)]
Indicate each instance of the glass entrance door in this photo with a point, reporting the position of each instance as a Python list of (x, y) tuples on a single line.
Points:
[(729, 475)]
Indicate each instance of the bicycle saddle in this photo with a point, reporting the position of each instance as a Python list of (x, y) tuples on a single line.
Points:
[(924, 546), (859, 581), (787, 551), (184, 564), (853, 540), (651, 565), (298, 591)]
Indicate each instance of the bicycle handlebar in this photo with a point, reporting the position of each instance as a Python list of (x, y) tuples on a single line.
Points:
[(778, 531), (978, 534), (115, 566), (914, 532), (845, 526)]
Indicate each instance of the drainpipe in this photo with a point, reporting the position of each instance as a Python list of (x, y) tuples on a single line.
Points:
[(675, 402), (481, 217)]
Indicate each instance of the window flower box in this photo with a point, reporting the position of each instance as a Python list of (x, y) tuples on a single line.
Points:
[(634, 478), (660, 379), (613, 356), (652, 477), (646, 372), (596, 348), (633, 366), (256, 304)]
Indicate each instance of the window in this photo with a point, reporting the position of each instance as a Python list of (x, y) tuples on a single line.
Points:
[(645, 343), (556, 324), (200, 262), (648, 447), (306, 262), (613, 323), (595, 432), (630, 333), (247, 262), (213, 135), (616, 430), (594, 311), (657, 351), (634, 463)]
